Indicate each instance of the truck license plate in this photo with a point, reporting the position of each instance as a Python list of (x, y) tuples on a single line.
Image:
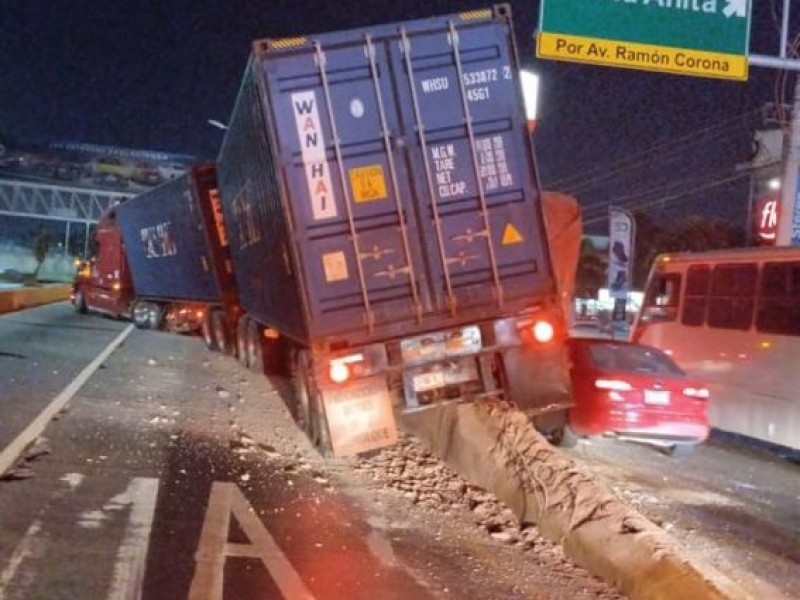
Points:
[(659, 397), (428, 381)]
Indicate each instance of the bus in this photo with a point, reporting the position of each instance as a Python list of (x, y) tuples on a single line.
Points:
[(732, 319)]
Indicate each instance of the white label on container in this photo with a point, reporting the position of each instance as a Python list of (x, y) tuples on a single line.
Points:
[(312, 148), (335, 266)]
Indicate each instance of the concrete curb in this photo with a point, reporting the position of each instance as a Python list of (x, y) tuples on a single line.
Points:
[(496, 448), (26, 297)]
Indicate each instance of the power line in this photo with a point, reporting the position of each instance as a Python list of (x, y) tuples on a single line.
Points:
[(669, 147), (689, 193), (660, 189)]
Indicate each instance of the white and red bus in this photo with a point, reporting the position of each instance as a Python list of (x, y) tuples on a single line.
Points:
[(732, 319)]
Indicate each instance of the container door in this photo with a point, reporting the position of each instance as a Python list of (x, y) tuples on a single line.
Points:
[(345, 166), (471, 165)]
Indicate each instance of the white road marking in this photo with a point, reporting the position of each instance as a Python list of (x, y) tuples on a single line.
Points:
[(226, 499), (12, 452), (23, 550), (132, 555)]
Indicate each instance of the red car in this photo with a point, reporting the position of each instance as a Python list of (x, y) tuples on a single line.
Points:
[(635, 392)]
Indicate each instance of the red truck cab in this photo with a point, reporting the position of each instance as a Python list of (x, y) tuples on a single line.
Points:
[(103, 283)]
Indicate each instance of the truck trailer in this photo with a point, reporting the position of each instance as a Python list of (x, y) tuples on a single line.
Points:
[(162, 259), (386, 226)]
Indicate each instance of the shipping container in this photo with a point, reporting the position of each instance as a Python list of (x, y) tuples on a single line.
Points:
[(175, 250), (385, 216)]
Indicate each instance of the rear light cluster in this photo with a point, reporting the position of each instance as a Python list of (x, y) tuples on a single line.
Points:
[(698, 393), (538, 329), (341, 368)]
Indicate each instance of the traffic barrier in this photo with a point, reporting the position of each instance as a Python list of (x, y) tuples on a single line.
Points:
[(26, 297), (496, 447)]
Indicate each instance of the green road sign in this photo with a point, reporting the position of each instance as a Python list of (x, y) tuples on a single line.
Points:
[(693, 37)]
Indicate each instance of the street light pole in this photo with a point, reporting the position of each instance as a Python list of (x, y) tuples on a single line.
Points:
[(786, 214)]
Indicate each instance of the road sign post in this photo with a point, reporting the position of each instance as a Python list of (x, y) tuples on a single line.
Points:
[(707, 38)]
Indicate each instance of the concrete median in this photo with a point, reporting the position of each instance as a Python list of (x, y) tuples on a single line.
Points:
[(495, 447), (26, 297)]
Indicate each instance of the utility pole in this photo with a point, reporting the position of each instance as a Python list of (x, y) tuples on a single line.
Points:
[(788, 222)]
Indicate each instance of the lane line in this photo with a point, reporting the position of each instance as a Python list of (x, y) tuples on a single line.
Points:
[(10, 454), (26, 548), (132, 553), (226, 500)]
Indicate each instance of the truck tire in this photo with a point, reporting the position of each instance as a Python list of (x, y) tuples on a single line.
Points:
[(140, 315), (241, 341), (80, 302), (255, 347), (155, 314), (220, 330), (308, 413), (208, 332)]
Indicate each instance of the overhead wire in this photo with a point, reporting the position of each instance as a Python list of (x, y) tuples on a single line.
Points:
[(582, 180), (662, 200)]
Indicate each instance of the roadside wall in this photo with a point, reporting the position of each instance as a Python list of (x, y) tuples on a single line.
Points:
[(25, 297)]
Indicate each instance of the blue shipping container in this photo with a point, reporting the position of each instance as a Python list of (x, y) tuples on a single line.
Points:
[(174, 243), (380, 182)]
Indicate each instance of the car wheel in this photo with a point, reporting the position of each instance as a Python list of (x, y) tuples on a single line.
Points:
[(681, 450), (564, 437), (80, 303)]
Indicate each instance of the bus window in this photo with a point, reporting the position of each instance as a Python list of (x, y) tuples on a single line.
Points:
[(779, 299), (661, 298), (695, 297), (733, 290)]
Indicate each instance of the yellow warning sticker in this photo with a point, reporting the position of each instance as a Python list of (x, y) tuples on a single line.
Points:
[(368, 183), (335, 266), (511, 235)]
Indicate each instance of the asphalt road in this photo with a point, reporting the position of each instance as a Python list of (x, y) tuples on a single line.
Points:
[(174, 473), (735, 506)]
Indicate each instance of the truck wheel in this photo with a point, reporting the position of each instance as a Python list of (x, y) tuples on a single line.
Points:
[(141, 313), (308, 412), (220, 329), (80, 302), (155, 313), (241, 341), (208, 332), (255, 347)]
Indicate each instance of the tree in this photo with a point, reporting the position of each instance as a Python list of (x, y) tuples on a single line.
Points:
[(591, 274), (41, 246)]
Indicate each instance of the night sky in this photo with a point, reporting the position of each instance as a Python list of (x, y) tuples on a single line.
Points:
[(148, 75)]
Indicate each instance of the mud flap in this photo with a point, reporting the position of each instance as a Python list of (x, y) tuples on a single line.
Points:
[(360, 416)]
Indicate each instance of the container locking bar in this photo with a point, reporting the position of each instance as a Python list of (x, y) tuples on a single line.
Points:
[(370, 316), (498, 287), (452, 302), (387, 143)]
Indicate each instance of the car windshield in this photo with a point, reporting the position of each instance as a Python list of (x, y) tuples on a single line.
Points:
[(633, 358)]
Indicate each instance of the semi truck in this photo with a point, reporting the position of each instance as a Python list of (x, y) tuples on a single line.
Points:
[(386, 227), (161, 259)]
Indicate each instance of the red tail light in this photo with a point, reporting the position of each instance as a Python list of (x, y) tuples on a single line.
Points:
[(340, 372), (543, 331)]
